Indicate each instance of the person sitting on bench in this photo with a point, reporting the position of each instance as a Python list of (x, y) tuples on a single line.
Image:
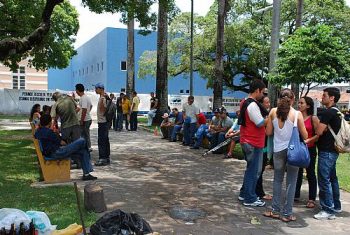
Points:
[(53, 148)]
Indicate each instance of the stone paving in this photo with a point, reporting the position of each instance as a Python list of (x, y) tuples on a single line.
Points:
[(153, 177)]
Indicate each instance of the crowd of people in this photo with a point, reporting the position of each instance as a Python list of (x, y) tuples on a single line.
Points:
[(260, 130)]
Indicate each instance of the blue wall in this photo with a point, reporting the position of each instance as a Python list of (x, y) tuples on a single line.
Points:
[(109, 48)]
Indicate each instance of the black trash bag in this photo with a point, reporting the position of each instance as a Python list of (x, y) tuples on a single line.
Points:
[(119, 222)]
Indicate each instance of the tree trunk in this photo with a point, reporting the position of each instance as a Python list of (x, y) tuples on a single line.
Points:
[(275, 36), (219, 65), (298, 22), (130, 82), (162, 60), (11, 46)]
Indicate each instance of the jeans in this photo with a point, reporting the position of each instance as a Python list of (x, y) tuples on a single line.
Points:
[(151, 114), (77, 147), (200, 133), (126, 119), (280, 165), (259, 190), (213, 138), (133, 121), (189, 130), (253, 157), (176, 130), (103, 141), (85, 132), (328, 182), (311, 176), (119, 122)]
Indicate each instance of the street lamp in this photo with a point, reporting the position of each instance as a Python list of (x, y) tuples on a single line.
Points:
[(191, 52)]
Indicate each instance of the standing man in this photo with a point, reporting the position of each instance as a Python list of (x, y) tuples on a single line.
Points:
[(113, 123), (119, 124), (327, 155), (190, 114), (252, 141), (133, 111), (103, 140), (85, 107), (153, 109), (126, 111), (65, 109)]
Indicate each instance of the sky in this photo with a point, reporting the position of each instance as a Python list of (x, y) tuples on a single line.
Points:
[(91, 23)]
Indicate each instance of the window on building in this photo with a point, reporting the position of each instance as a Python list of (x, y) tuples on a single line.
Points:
[(181, 91), (92, 68), (102, 66), (98, 67), (123, 65), (187, 91), (122, 90), (15, 82), (22, 82), (87, 70), (22, 69)]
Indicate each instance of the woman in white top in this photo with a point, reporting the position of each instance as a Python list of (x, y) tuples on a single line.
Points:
[(280, 124)]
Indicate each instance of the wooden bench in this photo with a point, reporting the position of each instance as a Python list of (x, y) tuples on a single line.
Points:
[(52, 171)]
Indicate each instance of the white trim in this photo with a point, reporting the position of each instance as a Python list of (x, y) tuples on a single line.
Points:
[(36, 74), (36, 82), (5, 73)]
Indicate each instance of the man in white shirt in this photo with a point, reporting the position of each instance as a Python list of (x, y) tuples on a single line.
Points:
[(190, 114), (84, 116)]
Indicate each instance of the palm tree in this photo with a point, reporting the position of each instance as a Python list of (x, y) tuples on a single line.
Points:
[(130, 82), (162, 59), (223, 7)]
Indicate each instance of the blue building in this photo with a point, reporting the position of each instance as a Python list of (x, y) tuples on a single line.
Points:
[(103, 59)]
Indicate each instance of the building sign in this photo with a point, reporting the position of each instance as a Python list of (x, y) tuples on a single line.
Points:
[(35, 96)]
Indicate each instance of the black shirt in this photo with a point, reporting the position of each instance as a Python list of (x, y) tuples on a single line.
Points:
[(119, 105), (330, 117)]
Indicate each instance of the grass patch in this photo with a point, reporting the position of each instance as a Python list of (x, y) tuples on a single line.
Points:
[(18, 166), (14, 117), (343, 169)]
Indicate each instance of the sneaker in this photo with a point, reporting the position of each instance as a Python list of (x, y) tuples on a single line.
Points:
[(324, 215), (240, 198), (258, 203), (338, 210), (89, 177)]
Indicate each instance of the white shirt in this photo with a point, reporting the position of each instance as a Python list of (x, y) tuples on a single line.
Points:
[(101, 118), (191, 111), (85, 103), (255, 114), (282, 135)]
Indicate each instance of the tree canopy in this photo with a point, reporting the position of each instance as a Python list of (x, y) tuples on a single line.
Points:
[(43, 31)]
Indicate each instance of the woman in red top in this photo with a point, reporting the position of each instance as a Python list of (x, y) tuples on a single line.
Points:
[(306, 107)]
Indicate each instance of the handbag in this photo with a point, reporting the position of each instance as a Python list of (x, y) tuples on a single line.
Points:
[(298, 153)]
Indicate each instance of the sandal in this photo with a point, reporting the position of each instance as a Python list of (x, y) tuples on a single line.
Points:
[(267, 197), (227, 156), (310, 204), (288, 218), (271, 214)]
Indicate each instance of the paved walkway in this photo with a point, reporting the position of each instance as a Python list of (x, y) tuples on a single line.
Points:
[(151, 177)]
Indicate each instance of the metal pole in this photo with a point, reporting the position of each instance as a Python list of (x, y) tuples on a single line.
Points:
[(191, 52)]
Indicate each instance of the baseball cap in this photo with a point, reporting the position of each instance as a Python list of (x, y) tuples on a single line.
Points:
[(99, 85), (216, 110), (223, 110), (165, 115)]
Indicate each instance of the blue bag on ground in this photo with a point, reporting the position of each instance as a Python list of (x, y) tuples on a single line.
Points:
[(118, 222), (298, 153)]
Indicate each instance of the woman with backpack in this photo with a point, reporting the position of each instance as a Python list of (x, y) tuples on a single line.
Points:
[(306, 107), (280, 123)]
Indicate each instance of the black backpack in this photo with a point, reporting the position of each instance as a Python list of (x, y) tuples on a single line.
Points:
[(110, 110)]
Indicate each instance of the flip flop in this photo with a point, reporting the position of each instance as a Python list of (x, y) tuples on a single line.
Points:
[(271, 214), (310, 204), (288, 218)]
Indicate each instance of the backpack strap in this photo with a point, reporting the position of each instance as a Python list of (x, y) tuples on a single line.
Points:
[(329, 126)]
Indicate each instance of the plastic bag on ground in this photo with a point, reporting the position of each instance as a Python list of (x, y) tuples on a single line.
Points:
[(72, 229), (10, 216), (118, 222), (41, 222)]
